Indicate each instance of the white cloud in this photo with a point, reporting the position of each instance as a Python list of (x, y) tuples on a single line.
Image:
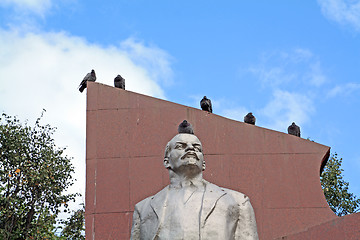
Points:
[(235, 113), (342, 11), (289, 79), (273, 76), (150, 58), (315, 75), (302, 54), (285, 108), (289, 68), (44, 70), (345, 89), (38, 7)]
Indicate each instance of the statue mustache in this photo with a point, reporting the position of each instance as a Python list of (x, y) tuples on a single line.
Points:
[(190, 154)]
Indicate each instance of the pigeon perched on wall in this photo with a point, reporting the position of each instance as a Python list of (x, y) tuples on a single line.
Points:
[(185, 127), (119, 82), (294, 129), (205, 104), (91, 76), (250, 118)]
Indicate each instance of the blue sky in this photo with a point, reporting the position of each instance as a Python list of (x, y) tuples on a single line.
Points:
[(284, 61)]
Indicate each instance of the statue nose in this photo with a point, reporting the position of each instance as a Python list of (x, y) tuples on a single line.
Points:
[(189, 147)]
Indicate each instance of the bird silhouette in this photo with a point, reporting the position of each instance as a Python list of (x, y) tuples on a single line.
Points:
[(119, 82), (185, 127), (91, 76), (205, 104), (294, 129), (250, 118)]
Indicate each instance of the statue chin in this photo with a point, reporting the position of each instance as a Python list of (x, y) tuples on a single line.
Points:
[(192, 161), (189, 166)]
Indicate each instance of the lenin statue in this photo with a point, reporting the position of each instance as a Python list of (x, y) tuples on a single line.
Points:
[(191, 207)]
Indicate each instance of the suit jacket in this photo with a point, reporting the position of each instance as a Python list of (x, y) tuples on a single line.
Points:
[(226, 214)]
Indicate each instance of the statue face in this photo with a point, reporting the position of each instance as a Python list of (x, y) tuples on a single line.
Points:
[(185, 153)]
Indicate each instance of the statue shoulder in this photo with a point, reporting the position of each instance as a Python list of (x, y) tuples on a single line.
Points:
[(146, 203), (143, 203), (239, 197)]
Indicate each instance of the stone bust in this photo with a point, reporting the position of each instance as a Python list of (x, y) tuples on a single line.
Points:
[(191, 207)]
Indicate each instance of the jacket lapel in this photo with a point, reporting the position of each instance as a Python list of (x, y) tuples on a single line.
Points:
[(158, 203), (212, 194)]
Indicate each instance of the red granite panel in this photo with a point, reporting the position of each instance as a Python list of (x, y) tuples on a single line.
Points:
[(90, 186), (145, 134), (171, 117), (217, 170), (142, 101), (278, 142), (113, 226), (246, 172), (211, 133), (301, 145), (238, 172), (224, 136), (351, 226), (309, 185), (113, 133), (112, 185), (280, 182), (89, 225), (344, 228), (271, 142), (329, 232), (127, 133), (145, 175), (284, 221), (116, 98), (91, 135), (92, 96)]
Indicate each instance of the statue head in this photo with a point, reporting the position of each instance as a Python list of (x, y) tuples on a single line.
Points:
[(184, 156)]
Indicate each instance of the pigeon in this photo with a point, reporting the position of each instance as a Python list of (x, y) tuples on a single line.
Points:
[(250, 119), (205, 104), (89, 77), (185, 127), (294, 129), (119, 82)]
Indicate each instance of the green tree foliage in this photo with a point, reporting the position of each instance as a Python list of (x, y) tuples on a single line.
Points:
[(34, 174), (74, 226), (336, 189)]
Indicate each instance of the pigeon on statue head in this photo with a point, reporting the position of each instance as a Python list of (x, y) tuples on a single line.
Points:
[(185, 127)]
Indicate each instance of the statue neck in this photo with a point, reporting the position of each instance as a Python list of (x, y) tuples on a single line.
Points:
[(181, 180)]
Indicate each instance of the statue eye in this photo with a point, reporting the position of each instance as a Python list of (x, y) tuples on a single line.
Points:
[(179, 146), (197, 148)]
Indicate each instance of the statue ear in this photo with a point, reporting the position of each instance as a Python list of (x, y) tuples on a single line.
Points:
[(166, 157), (166, 163), (203, 166)]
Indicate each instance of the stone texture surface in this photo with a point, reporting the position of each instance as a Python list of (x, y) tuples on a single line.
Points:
[(344, 228), (126, 137)]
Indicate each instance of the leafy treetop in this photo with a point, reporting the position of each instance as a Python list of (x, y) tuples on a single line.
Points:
[(336, 189), (34, 174)]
